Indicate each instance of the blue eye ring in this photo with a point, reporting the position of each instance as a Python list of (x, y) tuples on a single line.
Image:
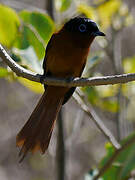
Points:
[(82, 28)]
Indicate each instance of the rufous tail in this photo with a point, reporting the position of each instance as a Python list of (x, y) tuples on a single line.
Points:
[(36, 133)]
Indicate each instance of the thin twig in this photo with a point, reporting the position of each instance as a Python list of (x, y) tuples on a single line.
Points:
[(95, 81), (90, 111), (114, 156)]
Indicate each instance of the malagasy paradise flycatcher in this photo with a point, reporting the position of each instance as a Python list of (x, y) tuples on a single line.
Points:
[(66, 55)]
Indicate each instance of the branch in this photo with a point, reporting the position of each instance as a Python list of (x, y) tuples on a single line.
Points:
[(60, 153), (94, 81), (90, 111)]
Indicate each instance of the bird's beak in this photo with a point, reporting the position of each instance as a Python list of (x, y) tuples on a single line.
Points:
[(98, 33)]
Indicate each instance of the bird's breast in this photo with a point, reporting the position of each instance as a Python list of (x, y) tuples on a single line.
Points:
[(66, 61)]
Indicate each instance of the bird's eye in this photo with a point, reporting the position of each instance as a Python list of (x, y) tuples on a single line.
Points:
[(82, 28)]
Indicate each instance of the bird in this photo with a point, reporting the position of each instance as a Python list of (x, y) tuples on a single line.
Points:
[(65, 57)]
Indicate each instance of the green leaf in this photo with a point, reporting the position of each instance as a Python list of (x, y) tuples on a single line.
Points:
[(25, 15), (38, 29), (29, 38), (111, 174), (109, 152), (3, 72), (34, 41), (41, 22), (62, 5), (128, 157), (129, 165), (123, 164), (9, 25), (22, 41)]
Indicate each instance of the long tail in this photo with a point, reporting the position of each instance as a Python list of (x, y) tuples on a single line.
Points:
[(36, 133)]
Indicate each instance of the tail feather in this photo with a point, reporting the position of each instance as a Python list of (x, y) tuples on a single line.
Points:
[(36, 133)]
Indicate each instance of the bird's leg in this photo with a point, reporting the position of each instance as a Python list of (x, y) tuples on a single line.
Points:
[(69, 79)]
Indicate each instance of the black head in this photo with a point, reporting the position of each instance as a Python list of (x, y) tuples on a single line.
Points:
[(83, 26)]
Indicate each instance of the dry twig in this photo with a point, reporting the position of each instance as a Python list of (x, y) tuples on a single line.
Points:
[(90, 111)]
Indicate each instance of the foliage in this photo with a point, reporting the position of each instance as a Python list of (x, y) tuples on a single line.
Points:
[(28, 34), (9, 24), (123, 164)]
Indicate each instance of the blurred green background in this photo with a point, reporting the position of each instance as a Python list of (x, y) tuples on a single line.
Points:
[(25, 29)]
